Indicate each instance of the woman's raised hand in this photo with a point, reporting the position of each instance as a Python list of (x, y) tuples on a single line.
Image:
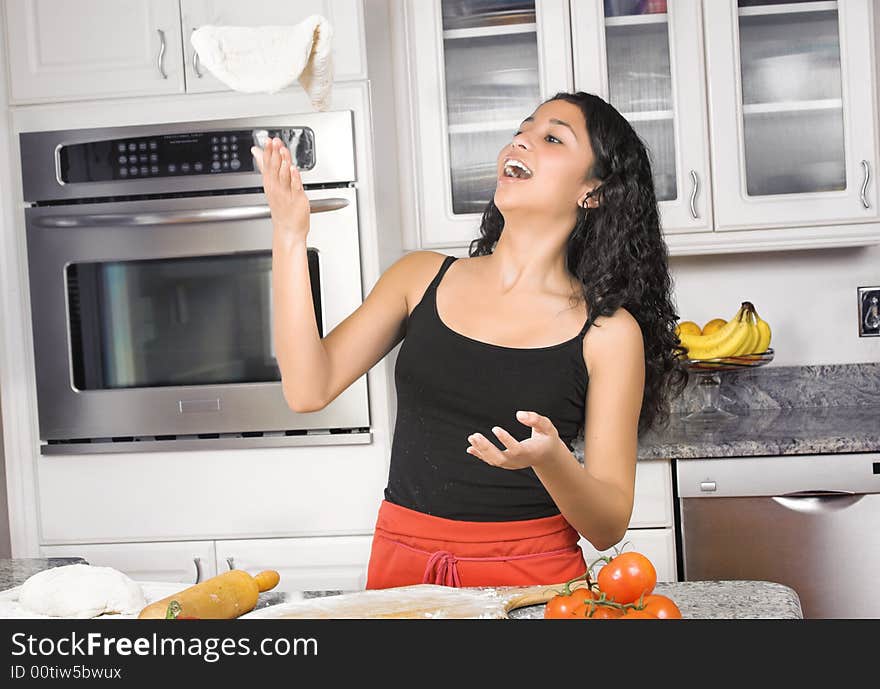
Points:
[(282, 184)]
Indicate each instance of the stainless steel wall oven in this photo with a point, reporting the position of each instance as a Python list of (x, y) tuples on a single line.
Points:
[(149, 261)]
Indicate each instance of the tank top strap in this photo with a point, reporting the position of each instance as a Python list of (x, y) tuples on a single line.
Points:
[(585, 328), (440, 273)]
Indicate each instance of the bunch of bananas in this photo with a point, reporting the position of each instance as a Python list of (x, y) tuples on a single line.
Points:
[(743, 335)]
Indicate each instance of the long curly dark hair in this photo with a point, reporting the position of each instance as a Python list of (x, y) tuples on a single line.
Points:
[(617, 250)]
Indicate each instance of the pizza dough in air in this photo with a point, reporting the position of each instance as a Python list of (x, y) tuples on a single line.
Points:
[(81, 591)]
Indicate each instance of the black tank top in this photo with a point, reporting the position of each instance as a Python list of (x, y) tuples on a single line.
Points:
[(450, 386)]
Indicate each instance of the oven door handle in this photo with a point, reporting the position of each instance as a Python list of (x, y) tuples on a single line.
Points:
[(180, 217)]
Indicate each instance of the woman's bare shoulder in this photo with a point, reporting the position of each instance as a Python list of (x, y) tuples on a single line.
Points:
[(413, 272), (617, 336)]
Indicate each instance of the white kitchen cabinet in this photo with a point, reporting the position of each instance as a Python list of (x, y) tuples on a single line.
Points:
[(345, 17), (651, 526), (336, 563), (650, 67), (186, 562), (61, 50), (476, 72), (792, 113), (759, 116)]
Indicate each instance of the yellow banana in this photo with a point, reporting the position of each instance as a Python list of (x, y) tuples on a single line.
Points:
[(764, 335), (751, 342), (764, 329), (723, 342)]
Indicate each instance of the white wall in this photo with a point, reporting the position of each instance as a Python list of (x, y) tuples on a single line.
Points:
[(809, 298)]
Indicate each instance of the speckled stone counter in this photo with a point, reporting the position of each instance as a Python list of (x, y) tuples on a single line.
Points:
[(15, 571), (728, 600), (718, 600), (695, 599), (780, 410), (819, 430)]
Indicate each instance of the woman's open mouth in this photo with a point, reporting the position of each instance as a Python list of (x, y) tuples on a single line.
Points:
[(514, 170)]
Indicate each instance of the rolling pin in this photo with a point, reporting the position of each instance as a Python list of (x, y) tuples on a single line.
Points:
[(223, 597)]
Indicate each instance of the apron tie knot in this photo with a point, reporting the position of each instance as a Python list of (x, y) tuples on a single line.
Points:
[(441, 569)]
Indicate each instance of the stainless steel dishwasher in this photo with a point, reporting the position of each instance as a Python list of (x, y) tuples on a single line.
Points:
[(811, 522)]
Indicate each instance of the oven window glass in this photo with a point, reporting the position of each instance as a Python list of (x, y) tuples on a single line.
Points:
[(180, 321)]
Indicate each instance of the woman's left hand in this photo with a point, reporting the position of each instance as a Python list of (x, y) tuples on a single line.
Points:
[(518, 454)]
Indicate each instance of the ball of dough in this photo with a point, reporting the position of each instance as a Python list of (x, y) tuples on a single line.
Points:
[(81, 591)]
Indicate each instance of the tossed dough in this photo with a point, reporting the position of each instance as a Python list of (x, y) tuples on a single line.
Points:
[(81, 591)]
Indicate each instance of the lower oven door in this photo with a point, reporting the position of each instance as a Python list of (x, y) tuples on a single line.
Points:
[(154, 318)]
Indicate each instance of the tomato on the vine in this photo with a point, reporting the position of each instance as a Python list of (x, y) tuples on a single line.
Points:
[(662, 607), (562, 605), (626, 577), (599, 612)]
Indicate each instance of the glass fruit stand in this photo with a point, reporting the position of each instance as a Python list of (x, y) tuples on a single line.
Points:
[(709, 373)]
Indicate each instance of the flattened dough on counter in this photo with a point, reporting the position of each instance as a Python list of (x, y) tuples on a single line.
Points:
[(81, 591)]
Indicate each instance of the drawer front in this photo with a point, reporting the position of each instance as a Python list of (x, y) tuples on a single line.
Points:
[(185, 562), (335, 563)]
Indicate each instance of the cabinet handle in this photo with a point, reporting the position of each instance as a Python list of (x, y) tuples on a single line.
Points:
[(196, 61), (865, 184), (160, 59), (231, 562), (695, 185), (197, 561)]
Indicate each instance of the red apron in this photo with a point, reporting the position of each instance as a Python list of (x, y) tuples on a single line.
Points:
[(410, 547)]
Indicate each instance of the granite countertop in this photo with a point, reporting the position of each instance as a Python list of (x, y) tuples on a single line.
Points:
[(700, 600), (817, 430), (696, 599), (778, 410)]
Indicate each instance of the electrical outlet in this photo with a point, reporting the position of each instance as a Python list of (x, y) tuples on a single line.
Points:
[(869, 311)]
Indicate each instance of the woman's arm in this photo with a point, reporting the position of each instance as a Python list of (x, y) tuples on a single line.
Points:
[(314, 371), (597, 498)]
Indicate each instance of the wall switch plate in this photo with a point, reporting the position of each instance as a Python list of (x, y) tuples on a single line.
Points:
[(869, 311)]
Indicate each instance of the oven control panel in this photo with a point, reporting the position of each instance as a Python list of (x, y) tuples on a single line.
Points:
[(173, 155)]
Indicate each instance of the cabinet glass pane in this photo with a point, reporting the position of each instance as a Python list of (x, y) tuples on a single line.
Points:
[(791, 91), (640, 81), (491, 60)]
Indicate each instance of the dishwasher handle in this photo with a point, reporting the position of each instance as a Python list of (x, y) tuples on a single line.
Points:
[(818, 501)]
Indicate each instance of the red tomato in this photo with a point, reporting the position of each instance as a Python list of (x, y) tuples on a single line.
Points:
[(662, 607), (562, 606), (600, 612), (626, 577)]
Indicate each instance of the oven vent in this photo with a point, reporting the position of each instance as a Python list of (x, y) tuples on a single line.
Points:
[(208, 441)]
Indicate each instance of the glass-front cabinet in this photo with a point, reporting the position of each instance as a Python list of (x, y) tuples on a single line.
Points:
[(480, 68), (792, 112), (645, 57), (758, 115)]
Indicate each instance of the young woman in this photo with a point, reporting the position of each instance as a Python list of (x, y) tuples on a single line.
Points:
[(559, 320)]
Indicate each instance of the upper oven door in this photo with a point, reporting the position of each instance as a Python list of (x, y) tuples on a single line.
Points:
[(154, 318)]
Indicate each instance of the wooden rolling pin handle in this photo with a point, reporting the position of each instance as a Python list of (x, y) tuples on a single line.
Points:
[(267, 579)]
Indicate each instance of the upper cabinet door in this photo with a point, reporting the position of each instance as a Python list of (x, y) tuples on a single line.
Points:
[(645, 57), (345, 17), (480, 67), (791, 94), (60, 50)]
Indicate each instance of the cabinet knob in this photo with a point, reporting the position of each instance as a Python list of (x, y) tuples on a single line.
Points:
[(231, 562), (197, 561)]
